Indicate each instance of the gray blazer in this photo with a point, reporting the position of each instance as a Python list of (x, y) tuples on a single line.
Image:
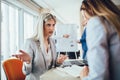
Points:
[(103, 50), (38, 64)]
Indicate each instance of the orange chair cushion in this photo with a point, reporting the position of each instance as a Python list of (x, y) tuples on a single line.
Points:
[(13, 69)]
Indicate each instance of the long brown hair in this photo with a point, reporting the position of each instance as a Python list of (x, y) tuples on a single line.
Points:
[(103, 8)]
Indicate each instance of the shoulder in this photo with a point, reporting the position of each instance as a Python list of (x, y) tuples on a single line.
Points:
[(30, 41), (96, 33), (94, 21), (95, 24)]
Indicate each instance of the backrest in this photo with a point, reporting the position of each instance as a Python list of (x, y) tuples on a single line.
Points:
[(13, 69)]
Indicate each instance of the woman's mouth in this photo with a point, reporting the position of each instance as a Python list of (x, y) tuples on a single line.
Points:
[(50, 32)]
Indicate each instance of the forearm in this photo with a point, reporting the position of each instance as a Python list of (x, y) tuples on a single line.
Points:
[(27, 68)]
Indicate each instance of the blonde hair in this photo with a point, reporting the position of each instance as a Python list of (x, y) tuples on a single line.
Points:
[(39, 28), (103, 8)]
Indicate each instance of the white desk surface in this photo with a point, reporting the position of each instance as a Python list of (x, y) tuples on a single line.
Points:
[(55, 74)]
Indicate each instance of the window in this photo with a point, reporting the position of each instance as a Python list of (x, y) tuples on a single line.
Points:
[(28, 25), (9, 30), (17, 25)]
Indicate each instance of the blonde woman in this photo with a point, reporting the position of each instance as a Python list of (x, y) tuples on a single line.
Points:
[(103, 40), (39, 53)]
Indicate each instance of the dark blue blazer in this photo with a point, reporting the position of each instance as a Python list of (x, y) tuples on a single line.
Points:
[(84, 44)]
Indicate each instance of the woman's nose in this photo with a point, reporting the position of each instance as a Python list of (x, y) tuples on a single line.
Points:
[(52, 27)]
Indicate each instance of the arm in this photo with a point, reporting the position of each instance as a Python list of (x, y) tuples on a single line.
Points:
[(97, 51), (26, 56), (28, 67)]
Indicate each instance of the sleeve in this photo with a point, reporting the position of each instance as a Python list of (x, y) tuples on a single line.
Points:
[(97, 51), (27, 68)]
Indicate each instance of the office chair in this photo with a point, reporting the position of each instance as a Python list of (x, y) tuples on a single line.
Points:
[(13, 69)]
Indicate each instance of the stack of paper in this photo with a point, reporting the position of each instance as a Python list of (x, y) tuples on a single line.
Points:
[(73, 70)]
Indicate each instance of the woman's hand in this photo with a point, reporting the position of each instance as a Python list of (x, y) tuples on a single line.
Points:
[(66, 36), (84, 72), (23, 56), (78, 41), (61, 58)]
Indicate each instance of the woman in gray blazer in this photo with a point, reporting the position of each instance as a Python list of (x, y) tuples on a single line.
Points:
[(103, 40), (39, 53)]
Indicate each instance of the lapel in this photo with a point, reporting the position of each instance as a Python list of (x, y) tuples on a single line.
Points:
[(53, 52)]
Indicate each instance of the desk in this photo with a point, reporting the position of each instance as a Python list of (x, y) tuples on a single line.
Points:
[(55, 74)]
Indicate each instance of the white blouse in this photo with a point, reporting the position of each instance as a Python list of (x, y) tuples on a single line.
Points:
[(48, 56)]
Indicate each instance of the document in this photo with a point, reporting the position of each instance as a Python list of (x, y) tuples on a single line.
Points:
[(66, 44), (73, 70)]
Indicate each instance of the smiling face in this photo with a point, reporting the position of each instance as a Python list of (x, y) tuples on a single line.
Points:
[(49, 27)]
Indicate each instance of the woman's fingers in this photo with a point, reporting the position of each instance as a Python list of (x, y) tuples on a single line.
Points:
[(66, 35), (23, 56), (22, 51), (14, 56), (19, 56), (61, 58), (84, 72)]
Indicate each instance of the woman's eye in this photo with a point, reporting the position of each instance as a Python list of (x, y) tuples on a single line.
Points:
[(53, 24), (48, 24)]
